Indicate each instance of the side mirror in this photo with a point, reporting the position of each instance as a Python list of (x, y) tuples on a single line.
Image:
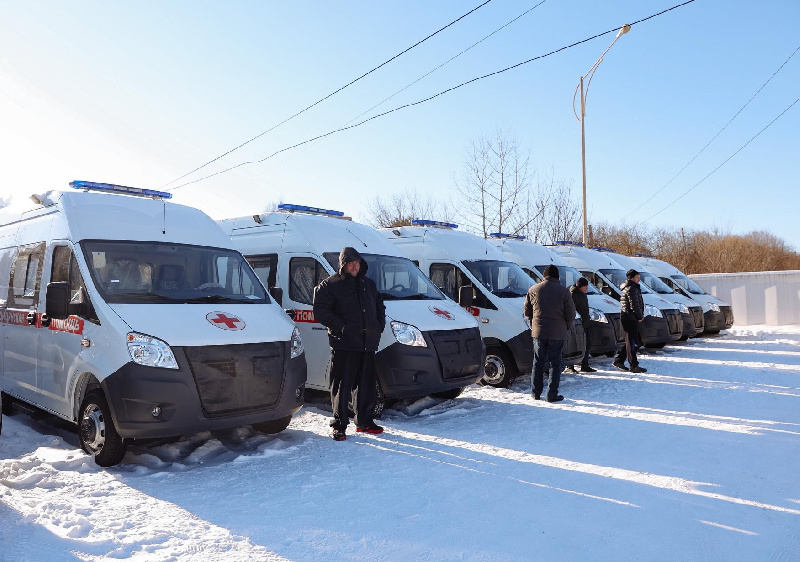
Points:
[(466, 296), (57, 300), (277, 294)]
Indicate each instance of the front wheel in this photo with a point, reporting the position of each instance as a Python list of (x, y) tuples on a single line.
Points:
[(273, 426), (96, 431), (500, 369), (6, 403), (658, 345), (448, 394)]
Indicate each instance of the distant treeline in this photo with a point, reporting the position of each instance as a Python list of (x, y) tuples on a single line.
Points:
[(701, 251)]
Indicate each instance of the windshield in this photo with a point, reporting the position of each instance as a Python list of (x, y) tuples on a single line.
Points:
[(618, 277), (656, 284), (568, 276), (504, 279), (688, 284), (148, 272), (396, 278)]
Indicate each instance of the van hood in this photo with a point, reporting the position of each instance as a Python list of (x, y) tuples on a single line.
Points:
[(430, 315), (658, 302), (604, 303), (678, 299), (704, 300), (207, 324)]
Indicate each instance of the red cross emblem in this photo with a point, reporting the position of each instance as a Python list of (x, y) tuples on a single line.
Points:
[(446, 314), (225, 321)]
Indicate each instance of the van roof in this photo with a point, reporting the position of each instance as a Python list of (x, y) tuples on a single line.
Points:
[(441, 243), (105, 216), (659, 267), (584, 258), (301, 232), (530, 253)]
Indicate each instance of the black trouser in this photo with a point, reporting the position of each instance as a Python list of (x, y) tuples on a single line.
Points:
[(631, 327), (352, 372), (585, 361)]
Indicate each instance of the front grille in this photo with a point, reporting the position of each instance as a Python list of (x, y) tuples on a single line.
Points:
[(674, 322), (727, 311), (697, 314), (460, 352), (575, 344), (616, 323), (238, 378)]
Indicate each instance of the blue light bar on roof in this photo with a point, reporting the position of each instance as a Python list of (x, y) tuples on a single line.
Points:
[(601, 249), (644, 255), (425, 222), (504, 235), (568, 243), (313, 210), (112, 188)]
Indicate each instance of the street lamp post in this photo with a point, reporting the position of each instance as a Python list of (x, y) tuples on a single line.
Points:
[(590, 74)]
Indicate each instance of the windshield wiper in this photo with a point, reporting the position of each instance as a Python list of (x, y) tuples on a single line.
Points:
[(415, 297), (507, 294), (217, 298), (142, 296)]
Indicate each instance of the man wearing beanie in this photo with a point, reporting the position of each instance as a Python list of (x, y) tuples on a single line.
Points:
[(632, 308), (551, 313), (349, 305), (578, 292)]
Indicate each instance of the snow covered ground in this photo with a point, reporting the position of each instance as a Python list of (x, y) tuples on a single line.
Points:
[(697, 459)]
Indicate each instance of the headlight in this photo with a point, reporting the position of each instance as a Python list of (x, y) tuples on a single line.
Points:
[(297, 344), (650, 310), (683, 308), (408, 334), (713, 306), (597, 316), (150, 351)]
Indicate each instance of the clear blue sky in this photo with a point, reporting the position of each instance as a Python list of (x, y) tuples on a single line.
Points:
[(139, 93)]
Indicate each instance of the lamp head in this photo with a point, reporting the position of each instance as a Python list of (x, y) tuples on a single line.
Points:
[(623, 30)]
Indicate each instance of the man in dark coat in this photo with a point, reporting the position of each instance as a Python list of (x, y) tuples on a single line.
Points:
[(551, 312), (349, 305), (632, 308), (581, 301)]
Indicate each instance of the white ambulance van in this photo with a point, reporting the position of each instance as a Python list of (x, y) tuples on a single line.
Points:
[(604, 328), (135, 318), (691, 312), (429, 346), (662, 320), (476, 274), (717, 314)]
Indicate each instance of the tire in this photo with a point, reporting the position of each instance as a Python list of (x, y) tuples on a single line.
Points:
[(610, 354), (655, 345), (683, 338), (6, 404), (96, 431), (448, 394), (712, 332), (273, 426), (500, 369)]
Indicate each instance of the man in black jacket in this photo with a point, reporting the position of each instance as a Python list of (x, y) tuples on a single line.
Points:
[(349, 305), (549, 309), (632, 309), (578, 291)]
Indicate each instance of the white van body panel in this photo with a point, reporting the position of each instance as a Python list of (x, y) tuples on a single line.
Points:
[(629, 263), (665, 269)]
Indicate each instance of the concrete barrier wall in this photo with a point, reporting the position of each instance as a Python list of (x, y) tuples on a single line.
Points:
[(771, 297)]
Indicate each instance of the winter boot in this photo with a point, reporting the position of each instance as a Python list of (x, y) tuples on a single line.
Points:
[(371, 428), (638, 369), (620, 365), (338, 435), (558, 398), (588, 369)]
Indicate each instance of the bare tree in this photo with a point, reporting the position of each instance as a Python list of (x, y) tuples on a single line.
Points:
[(400, 209), (494, 184)]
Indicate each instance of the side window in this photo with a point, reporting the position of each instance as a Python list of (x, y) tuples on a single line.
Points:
[(26, 276), (304, 275), (6, 261), (265, 267), (65, 268), (449, 278)]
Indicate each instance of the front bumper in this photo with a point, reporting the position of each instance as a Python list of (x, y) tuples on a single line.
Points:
[(654, 331), (452, 359), (689, 329), (716, 321), (521, 347), (604, 335), (574, 344), (674, 324), (134, 390)]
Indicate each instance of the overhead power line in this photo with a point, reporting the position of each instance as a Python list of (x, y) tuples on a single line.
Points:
[(319, 101), (663, 187), (720, 166), (429, 98)]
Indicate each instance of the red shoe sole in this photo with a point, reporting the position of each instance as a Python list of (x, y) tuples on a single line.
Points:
[(370, 431)]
